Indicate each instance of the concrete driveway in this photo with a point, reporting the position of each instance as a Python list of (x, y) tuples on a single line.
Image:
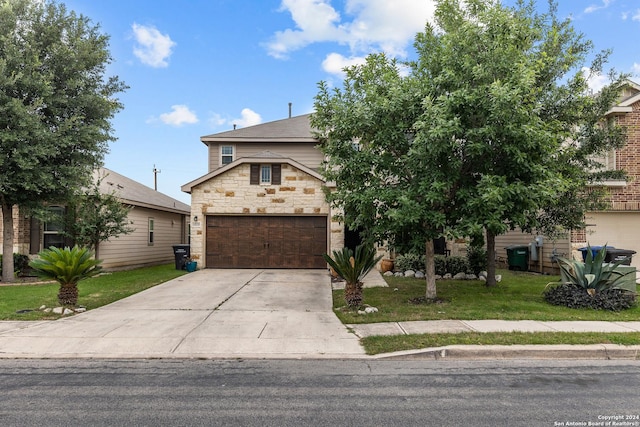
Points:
[(208, 313)]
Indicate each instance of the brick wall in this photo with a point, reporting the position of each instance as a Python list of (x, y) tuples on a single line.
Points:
[(21, 232), (627, 198)]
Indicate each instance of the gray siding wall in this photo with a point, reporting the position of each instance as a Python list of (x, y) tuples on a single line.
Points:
[(132, 250), (517, 237), (305, 153)]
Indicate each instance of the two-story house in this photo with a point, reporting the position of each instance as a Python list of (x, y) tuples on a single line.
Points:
[(262, 203), (618, 225)]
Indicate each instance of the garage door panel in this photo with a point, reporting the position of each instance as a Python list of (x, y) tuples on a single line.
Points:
[(266, 242)]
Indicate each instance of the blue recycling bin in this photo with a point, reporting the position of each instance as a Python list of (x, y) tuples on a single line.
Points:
[(594, 251)]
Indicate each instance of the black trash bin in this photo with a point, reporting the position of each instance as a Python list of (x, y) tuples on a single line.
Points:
[(615, 255), (181, 253), (518, 257)]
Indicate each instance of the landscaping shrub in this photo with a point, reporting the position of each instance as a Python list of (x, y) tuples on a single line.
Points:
[(441, 265), (410, 261), (20, 263), (457, 264), (575, 296), (477, 259)]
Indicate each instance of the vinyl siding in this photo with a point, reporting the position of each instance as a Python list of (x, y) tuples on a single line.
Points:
[(517, 237), (304, 153), (132, 250)]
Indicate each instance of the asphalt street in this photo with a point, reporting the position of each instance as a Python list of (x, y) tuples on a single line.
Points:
[(318, 393)]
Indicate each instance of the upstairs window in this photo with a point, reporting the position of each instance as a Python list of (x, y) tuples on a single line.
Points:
[(265, 174), (226, 154)]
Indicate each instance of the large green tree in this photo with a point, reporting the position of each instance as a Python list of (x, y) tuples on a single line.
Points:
[(56, 103), (492, 127), (521, 123)]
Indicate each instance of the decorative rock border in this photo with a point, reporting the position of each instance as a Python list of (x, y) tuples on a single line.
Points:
[(460, 276)]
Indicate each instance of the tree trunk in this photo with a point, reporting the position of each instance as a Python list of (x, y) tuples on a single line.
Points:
[(7, 243), (353, 294), (430, 270), (68, 294), (491, 259), (96, 250)]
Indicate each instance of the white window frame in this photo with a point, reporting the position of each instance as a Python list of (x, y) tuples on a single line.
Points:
[(265, 172), (224, 155)]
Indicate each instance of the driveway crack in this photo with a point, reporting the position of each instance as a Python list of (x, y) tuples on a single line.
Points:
[(173, 350)]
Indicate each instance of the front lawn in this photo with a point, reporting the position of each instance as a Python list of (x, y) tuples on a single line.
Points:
[(517, 297), (94, 292)]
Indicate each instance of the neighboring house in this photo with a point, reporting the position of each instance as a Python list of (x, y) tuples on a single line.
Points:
[(262, 203), (158, 222), (618, 226)]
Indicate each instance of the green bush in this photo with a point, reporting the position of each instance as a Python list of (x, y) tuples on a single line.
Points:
[(574, 296), (20, 263), (410, 261), (457, 264), (477, 259), (443, 265), (440, 262)]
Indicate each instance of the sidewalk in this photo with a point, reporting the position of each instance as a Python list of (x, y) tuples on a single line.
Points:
[(600, 351)]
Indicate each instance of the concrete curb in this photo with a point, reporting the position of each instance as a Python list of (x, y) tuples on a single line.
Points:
[(499, 352)]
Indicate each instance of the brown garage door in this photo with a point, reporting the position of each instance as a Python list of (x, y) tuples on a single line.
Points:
[(266, 242)]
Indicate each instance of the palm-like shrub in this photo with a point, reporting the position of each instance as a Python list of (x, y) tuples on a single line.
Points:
[(67, 266), (352, 269), (593, 283)]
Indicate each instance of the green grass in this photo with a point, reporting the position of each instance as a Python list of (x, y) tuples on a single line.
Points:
[(386, 344), (94, 292), (517, 297)]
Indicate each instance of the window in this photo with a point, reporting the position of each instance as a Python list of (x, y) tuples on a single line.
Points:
[(151, 225), (226, 154), (53, 228), (267, 174)]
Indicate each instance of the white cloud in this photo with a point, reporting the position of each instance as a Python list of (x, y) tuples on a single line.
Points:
[(375, 25), (179, 116), (636, 69), (335, 63), (636, 15), (595, 7), (248, 118), (595, 81), (153, 48)]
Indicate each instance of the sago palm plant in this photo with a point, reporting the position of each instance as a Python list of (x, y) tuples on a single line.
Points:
[(67, 266), (352, 269)]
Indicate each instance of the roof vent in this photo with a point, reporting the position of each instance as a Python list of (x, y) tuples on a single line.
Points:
[(290, 110)]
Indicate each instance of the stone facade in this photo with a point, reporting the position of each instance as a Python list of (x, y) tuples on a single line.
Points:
[(231, 193)]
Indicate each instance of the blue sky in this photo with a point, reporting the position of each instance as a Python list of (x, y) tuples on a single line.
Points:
[(198, 67)]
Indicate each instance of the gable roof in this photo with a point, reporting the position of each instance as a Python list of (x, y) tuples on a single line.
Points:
[(133, 193), (293, 129), (632, 91), (263, 157)]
